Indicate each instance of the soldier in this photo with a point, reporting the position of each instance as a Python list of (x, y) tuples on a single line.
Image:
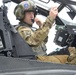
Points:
[(25, 12)]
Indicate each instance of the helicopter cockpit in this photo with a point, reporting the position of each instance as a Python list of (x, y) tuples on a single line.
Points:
[(15, 52)]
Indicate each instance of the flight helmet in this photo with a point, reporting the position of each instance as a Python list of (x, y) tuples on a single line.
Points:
[(23, 7)]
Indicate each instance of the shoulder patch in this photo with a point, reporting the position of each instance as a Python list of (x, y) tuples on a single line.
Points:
[(26, 34)]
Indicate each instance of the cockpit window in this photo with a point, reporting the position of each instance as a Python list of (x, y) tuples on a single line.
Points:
[(67, 16)]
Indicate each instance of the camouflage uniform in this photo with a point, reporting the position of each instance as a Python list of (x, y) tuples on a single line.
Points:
[(36, 39), (72, 57)]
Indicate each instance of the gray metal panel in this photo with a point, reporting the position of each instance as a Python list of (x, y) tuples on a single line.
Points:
[(6, 34), (22, 49), (15, 66)]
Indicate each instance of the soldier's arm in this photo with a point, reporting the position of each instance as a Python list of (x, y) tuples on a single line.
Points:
[(42, 33), (39, 35), (35, 38)]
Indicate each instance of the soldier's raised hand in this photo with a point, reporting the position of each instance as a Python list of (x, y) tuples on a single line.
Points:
[(38, 22), (53, 12)]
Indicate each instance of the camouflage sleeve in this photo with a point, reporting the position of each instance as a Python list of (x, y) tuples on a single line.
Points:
[(49, 21), (39, 35)]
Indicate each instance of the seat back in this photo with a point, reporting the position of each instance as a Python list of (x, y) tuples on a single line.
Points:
[(21, 48)]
